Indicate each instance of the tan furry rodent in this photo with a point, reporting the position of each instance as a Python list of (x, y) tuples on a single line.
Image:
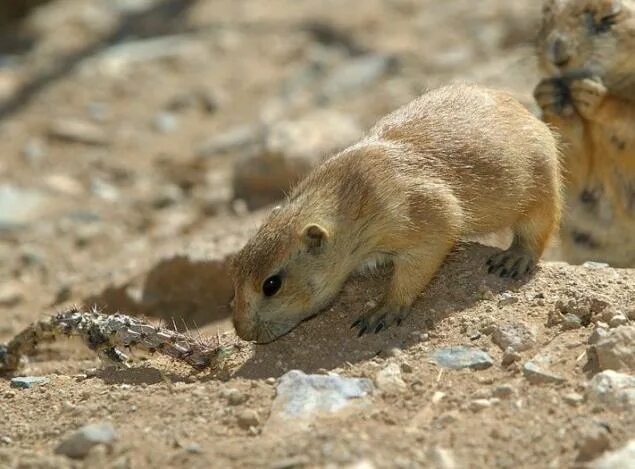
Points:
[(587, 53), (459, 160)]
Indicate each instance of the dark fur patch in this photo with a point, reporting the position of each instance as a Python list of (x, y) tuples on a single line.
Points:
[(584, 239)]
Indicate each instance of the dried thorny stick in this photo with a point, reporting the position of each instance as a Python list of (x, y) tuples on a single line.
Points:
[(108, 334)]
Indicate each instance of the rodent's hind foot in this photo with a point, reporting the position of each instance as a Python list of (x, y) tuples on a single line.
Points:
[(512, 263), (379, 318)]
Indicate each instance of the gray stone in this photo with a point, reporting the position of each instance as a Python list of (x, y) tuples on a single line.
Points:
[(462, 357), (613, 389), (26, 382), (622, 458), (80, 443), (78, 131), (19, 207), (537, 371), (356, 75), (389, 379), (595, 265), (300, 397), (614, 351), (514, 335)]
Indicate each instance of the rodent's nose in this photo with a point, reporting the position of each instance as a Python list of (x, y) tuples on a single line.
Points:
[(560, 55)]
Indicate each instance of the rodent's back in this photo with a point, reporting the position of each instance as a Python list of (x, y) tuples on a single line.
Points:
[(482, 143)]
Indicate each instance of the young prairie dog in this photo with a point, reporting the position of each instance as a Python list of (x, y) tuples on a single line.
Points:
[(587, 53), (459, 160)]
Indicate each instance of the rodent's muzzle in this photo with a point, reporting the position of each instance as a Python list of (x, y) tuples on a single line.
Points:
[(260, 332)]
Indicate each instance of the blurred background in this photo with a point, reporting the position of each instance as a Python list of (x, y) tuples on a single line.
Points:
[(127, 125)]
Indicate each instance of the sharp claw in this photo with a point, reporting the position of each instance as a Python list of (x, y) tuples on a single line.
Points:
[(398, 321), (503, 272), (491, 269), (379, 327), (356, 323), (361, 331)]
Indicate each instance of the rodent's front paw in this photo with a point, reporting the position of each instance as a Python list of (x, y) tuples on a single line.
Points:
[(380, 317), (587, 96), (553, 97)]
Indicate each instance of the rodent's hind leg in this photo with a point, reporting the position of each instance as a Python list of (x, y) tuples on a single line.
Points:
[(413, 269), (514, 262), (531, 233)]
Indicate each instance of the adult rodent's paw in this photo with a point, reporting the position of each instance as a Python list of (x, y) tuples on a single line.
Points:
[(380, 317), (554, 98), (587, 95)]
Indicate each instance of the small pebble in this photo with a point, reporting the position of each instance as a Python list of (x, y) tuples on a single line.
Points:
[(247, 418), (571, 321), (165, 122), (503, 391), (507, 298), (389, 379), (26, 382), (573, 398), (618, 320), (479, 404)]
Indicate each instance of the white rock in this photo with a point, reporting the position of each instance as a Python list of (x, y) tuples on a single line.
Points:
[(622, 458), (514, 335), (616, 350), (389, 379), (614, 389), (301, 397), (537, 371), (80, 443)]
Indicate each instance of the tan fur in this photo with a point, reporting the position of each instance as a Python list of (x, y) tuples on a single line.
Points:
[(459, 160), (588, 95)]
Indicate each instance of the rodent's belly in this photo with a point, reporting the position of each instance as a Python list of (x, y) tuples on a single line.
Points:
[(597, 228)]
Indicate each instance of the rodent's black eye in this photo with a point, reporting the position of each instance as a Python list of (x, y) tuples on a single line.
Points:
[(271, 286), (603, 25)]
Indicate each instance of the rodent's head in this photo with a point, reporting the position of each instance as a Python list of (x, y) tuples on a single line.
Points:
[(588, 37), (283, 275)]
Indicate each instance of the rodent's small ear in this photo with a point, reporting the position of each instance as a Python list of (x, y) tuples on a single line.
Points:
[(314, 237)]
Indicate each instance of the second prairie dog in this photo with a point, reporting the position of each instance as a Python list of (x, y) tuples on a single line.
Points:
[(460, 160), (587, 54)]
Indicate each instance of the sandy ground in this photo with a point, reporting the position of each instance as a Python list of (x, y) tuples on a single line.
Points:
[(133, 216)]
